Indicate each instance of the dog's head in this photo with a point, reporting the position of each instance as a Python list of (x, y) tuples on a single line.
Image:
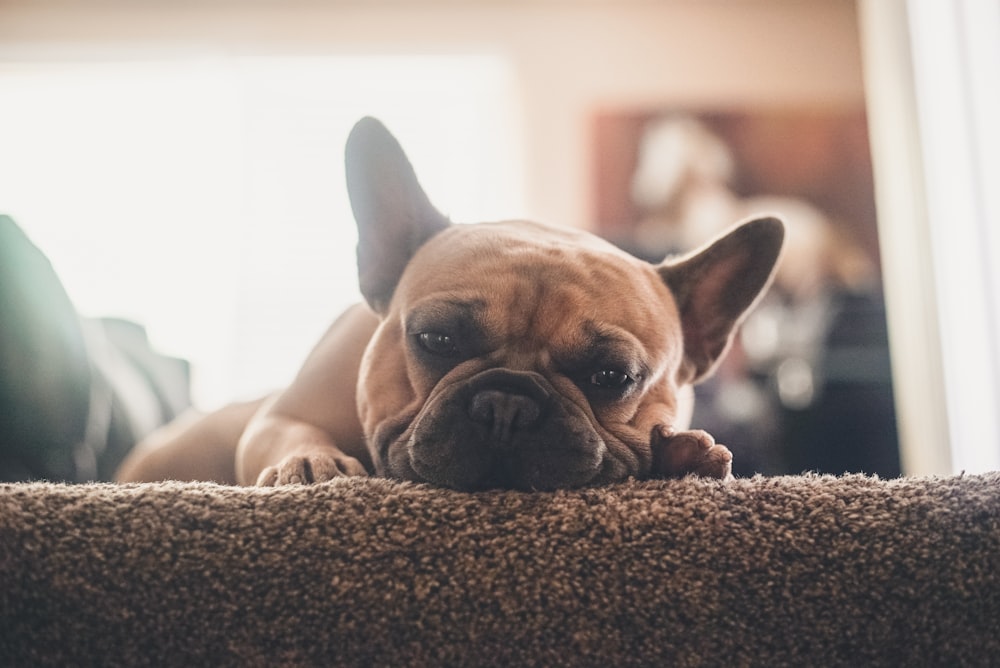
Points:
[(513, 354)]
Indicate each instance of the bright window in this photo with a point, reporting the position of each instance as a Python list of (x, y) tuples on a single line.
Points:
[(205, 198)]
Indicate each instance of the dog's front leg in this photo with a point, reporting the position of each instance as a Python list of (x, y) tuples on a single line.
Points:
[(278, 450), (680, 453), (310, 432)]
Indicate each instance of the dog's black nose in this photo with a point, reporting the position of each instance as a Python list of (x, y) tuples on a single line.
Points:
[(505, 413), (507, 402)]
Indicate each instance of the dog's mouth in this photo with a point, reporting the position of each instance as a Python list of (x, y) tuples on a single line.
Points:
[(499, 429), (470, 467)]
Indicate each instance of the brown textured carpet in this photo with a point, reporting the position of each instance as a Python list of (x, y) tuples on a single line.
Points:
[(798, 571)]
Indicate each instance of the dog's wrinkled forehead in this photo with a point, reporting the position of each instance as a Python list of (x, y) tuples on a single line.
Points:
[(530, 280)]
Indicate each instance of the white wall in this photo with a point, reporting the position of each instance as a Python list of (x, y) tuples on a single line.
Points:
[(570, 58)]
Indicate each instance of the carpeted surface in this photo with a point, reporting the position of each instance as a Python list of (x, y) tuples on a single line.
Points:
[(797, 571)]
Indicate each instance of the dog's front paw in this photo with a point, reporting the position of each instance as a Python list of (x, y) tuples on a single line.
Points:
[(310, 468), (677, 454)]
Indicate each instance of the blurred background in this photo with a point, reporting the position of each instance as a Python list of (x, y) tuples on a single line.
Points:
[(179, 164)]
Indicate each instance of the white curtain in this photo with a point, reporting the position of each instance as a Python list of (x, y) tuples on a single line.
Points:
[(932, 73)]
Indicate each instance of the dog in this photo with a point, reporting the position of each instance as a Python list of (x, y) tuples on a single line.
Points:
[(492, 355)]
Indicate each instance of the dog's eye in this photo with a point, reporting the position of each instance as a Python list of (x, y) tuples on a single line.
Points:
[(612, 379), (437, 343)]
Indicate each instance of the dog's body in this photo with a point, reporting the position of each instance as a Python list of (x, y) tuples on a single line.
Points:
[(491, 355)]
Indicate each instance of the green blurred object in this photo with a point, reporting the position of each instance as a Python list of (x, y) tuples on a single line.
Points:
[(75, 393)]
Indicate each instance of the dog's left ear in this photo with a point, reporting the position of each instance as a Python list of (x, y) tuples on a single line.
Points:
[(393, 213), (715, 286)]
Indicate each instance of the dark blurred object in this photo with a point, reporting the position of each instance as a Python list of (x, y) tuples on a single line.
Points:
[(850, 424), (810, 389), (75, 394)]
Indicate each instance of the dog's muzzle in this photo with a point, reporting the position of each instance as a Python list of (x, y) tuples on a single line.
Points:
[(503, 428)]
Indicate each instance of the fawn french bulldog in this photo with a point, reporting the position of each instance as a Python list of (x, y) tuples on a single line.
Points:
[(507, 354)]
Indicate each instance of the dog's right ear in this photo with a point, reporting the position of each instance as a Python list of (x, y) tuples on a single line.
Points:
[(714, 288), (393, 214)]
